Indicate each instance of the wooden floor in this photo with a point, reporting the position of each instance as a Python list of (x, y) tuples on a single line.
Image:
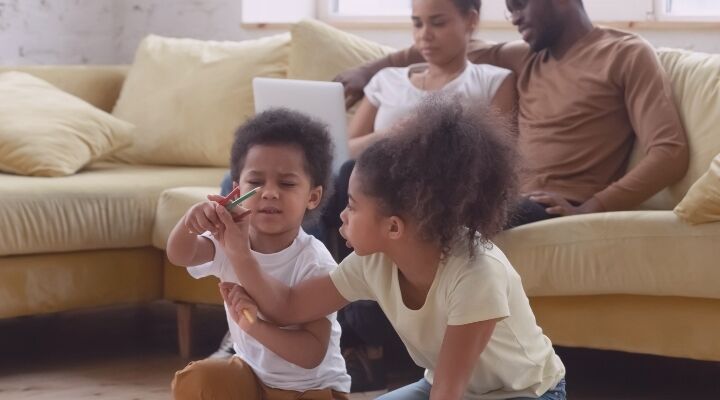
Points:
[(130, 353)]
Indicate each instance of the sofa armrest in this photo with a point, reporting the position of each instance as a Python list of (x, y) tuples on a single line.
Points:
[(172, 205)]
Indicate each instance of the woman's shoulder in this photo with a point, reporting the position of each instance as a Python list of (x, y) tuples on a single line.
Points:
[(392, 75), (486, 71)]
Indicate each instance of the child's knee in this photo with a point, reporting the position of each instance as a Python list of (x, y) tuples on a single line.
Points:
[(215, 379)]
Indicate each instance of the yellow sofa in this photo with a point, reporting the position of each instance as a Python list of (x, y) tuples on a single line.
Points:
[(639, 281)]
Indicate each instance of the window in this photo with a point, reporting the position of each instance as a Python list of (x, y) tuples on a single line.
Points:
[(493, 11), (689, 10)]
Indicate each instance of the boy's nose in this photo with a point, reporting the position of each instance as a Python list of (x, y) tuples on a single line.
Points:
[(269, 192)]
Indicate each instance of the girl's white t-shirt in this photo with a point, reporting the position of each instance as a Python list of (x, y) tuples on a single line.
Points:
[(394, 95), (519, 360), (306, 257)]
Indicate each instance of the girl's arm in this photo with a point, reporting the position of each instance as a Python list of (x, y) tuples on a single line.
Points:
[(459, 353), (305, 347), (361, 128)]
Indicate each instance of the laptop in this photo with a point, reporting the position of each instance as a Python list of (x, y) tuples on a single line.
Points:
[(324, 101)]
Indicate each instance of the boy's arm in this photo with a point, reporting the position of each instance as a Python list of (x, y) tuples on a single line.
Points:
[(459, 353), (305, 347), (185, 248)]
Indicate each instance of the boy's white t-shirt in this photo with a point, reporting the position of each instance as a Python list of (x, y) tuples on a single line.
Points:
[(306, 257), (519, 360), (395, 96)]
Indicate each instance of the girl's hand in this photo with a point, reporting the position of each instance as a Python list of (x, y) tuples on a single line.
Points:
[(234, 236), (203, 217), (240, 305)]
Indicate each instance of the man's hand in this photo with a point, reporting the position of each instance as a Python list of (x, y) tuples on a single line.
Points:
[(354, 81), (557, 205)]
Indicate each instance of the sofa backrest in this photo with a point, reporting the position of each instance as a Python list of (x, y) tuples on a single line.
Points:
[(98, 85), (695, 79)]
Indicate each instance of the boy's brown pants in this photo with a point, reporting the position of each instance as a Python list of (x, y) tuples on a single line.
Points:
[(232, 379)]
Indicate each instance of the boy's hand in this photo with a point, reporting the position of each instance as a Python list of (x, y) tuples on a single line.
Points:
[(233, 236), (203, 217), (240, 305)]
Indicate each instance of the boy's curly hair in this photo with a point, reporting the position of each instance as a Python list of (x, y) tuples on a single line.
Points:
[(281, 126), (446, 168)]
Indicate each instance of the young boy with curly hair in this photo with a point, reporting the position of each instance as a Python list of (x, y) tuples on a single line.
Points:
[(288, 156)]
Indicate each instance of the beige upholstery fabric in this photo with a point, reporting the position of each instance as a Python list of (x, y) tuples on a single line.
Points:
[(632, 252), (104, 207), (319, 51), (172, 205), (98, 85), (45, 131), (702, 203), (695, 79), (187, 97), (46, 283)]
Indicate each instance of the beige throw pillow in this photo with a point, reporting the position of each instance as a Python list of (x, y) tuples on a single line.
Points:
[(320, 52), (187, 97), (702, 202), (47, 132)]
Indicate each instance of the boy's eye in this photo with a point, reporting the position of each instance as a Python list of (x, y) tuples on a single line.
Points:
[(254, 182), (288, 184)]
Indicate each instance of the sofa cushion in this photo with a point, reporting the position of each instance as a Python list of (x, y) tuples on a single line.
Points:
[(313, 40), (632, 252), (99, 85), (47, 132), (695, 79), (103, 207), (702, 202), (187, 97)]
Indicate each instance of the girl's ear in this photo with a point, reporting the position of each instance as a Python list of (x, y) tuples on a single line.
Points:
[(316, 194), (396, 228)]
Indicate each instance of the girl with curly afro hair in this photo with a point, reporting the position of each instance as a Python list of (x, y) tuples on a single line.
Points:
[(424, 205)]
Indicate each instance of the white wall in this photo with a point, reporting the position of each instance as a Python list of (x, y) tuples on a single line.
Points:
[(108, 31)]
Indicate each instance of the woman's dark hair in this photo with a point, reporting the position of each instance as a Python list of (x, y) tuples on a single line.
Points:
[(447, 167), (465, 6), (280, 126)]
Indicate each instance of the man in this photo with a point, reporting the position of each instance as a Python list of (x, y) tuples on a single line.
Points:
[(587, 95)]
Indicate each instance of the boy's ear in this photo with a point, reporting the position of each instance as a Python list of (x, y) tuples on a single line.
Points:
[(316, 194), (396, 227)]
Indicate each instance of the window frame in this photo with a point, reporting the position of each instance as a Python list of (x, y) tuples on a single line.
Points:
[(662, 15)]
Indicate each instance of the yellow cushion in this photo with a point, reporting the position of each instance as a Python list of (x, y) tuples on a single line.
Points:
[(99, 85), (187, 97), (695, 79), (702, 203), (319, 51), (47, 132), (103, 207), (172, 205), (631, 252)]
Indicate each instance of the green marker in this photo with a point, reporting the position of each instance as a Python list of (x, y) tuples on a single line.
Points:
[(240, 199)]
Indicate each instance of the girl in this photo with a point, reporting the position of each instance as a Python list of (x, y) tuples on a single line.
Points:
[(424, 205)]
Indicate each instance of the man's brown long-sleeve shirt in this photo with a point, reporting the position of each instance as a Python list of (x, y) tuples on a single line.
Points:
[(579, 117)]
